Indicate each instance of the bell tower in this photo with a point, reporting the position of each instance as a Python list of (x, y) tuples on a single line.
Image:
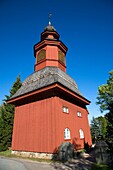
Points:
[(49, 108), (50, 51)]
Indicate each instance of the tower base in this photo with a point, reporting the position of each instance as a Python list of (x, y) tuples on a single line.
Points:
[(33, 154)]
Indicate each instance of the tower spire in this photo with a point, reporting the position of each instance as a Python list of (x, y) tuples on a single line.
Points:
[(49, 17), (49, 27)]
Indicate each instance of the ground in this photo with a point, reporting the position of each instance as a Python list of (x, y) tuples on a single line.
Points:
[(84, 162)]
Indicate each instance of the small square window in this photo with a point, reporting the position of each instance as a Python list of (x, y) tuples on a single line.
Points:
[(65, 109), (79, 114)]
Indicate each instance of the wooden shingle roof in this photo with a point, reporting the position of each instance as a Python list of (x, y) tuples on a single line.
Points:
[(46, 77)]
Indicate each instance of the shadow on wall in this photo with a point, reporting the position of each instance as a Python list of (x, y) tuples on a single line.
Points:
[(87, 147), (75, 144), (55, 155)]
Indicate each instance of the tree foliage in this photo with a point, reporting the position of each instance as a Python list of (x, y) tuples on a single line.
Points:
[(94, 129), (98, 128), (109, 118), (7, 116), (105, 94), (102, 126), (105, 100)]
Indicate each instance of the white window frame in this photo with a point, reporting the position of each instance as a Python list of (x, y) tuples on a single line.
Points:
[(81, 133), (79, 114), (67, 133), (65, 109)]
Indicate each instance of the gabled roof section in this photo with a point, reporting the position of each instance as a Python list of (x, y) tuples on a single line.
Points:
[(46, 77)]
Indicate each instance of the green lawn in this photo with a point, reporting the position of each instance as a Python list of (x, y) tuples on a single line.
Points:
[(5, 153)]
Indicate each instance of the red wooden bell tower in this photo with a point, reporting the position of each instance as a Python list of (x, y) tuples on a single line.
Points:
[(49, 108)]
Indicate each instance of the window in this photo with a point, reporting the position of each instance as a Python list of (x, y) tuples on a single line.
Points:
[(65, 109), (41, 55), (61, 57), (81, 134), (66, 133), (79, 114)]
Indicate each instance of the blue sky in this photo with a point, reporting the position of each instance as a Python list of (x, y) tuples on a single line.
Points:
[(85, 27)]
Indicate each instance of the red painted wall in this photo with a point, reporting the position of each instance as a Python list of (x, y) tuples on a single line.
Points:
[(39, 126)]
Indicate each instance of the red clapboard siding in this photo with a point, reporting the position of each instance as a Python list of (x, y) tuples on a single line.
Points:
[(39, 126)]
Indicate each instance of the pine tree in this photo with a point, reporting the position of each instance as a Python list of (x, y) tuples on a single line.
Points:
[(98, 128), (94, 129), (7, 117), (1, 128)]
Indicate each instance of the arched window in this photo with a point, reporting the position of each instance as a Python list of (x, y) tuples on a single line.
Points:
[(81, 133), (66, 133)]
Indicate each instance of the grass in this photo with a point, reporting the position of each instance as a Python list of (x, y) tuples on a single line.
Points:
[(100, 167), (5, 153)]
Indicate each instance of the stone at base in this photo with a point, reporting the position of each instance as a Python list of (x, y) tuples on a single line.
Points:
[(33, 154)]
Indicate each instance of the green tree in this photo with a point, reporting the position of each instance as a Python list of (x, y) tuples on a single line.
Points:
[(98, 128), (7, 117), (102, 126), (94, 127), (105, 94), (105, 100), (109, 117), (1, 128)]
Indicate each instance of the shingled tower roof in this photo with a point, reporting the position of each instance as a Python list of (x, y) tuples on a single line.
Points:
[(46, 77)]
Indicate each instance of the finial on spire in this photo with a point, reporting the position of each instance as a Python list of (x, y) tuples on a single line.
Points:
[(49, 17), (49, 27)]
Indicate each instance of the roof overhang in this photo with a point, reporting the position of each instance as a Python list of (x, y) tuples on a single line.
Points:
[(50, 42), (56, 89)]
